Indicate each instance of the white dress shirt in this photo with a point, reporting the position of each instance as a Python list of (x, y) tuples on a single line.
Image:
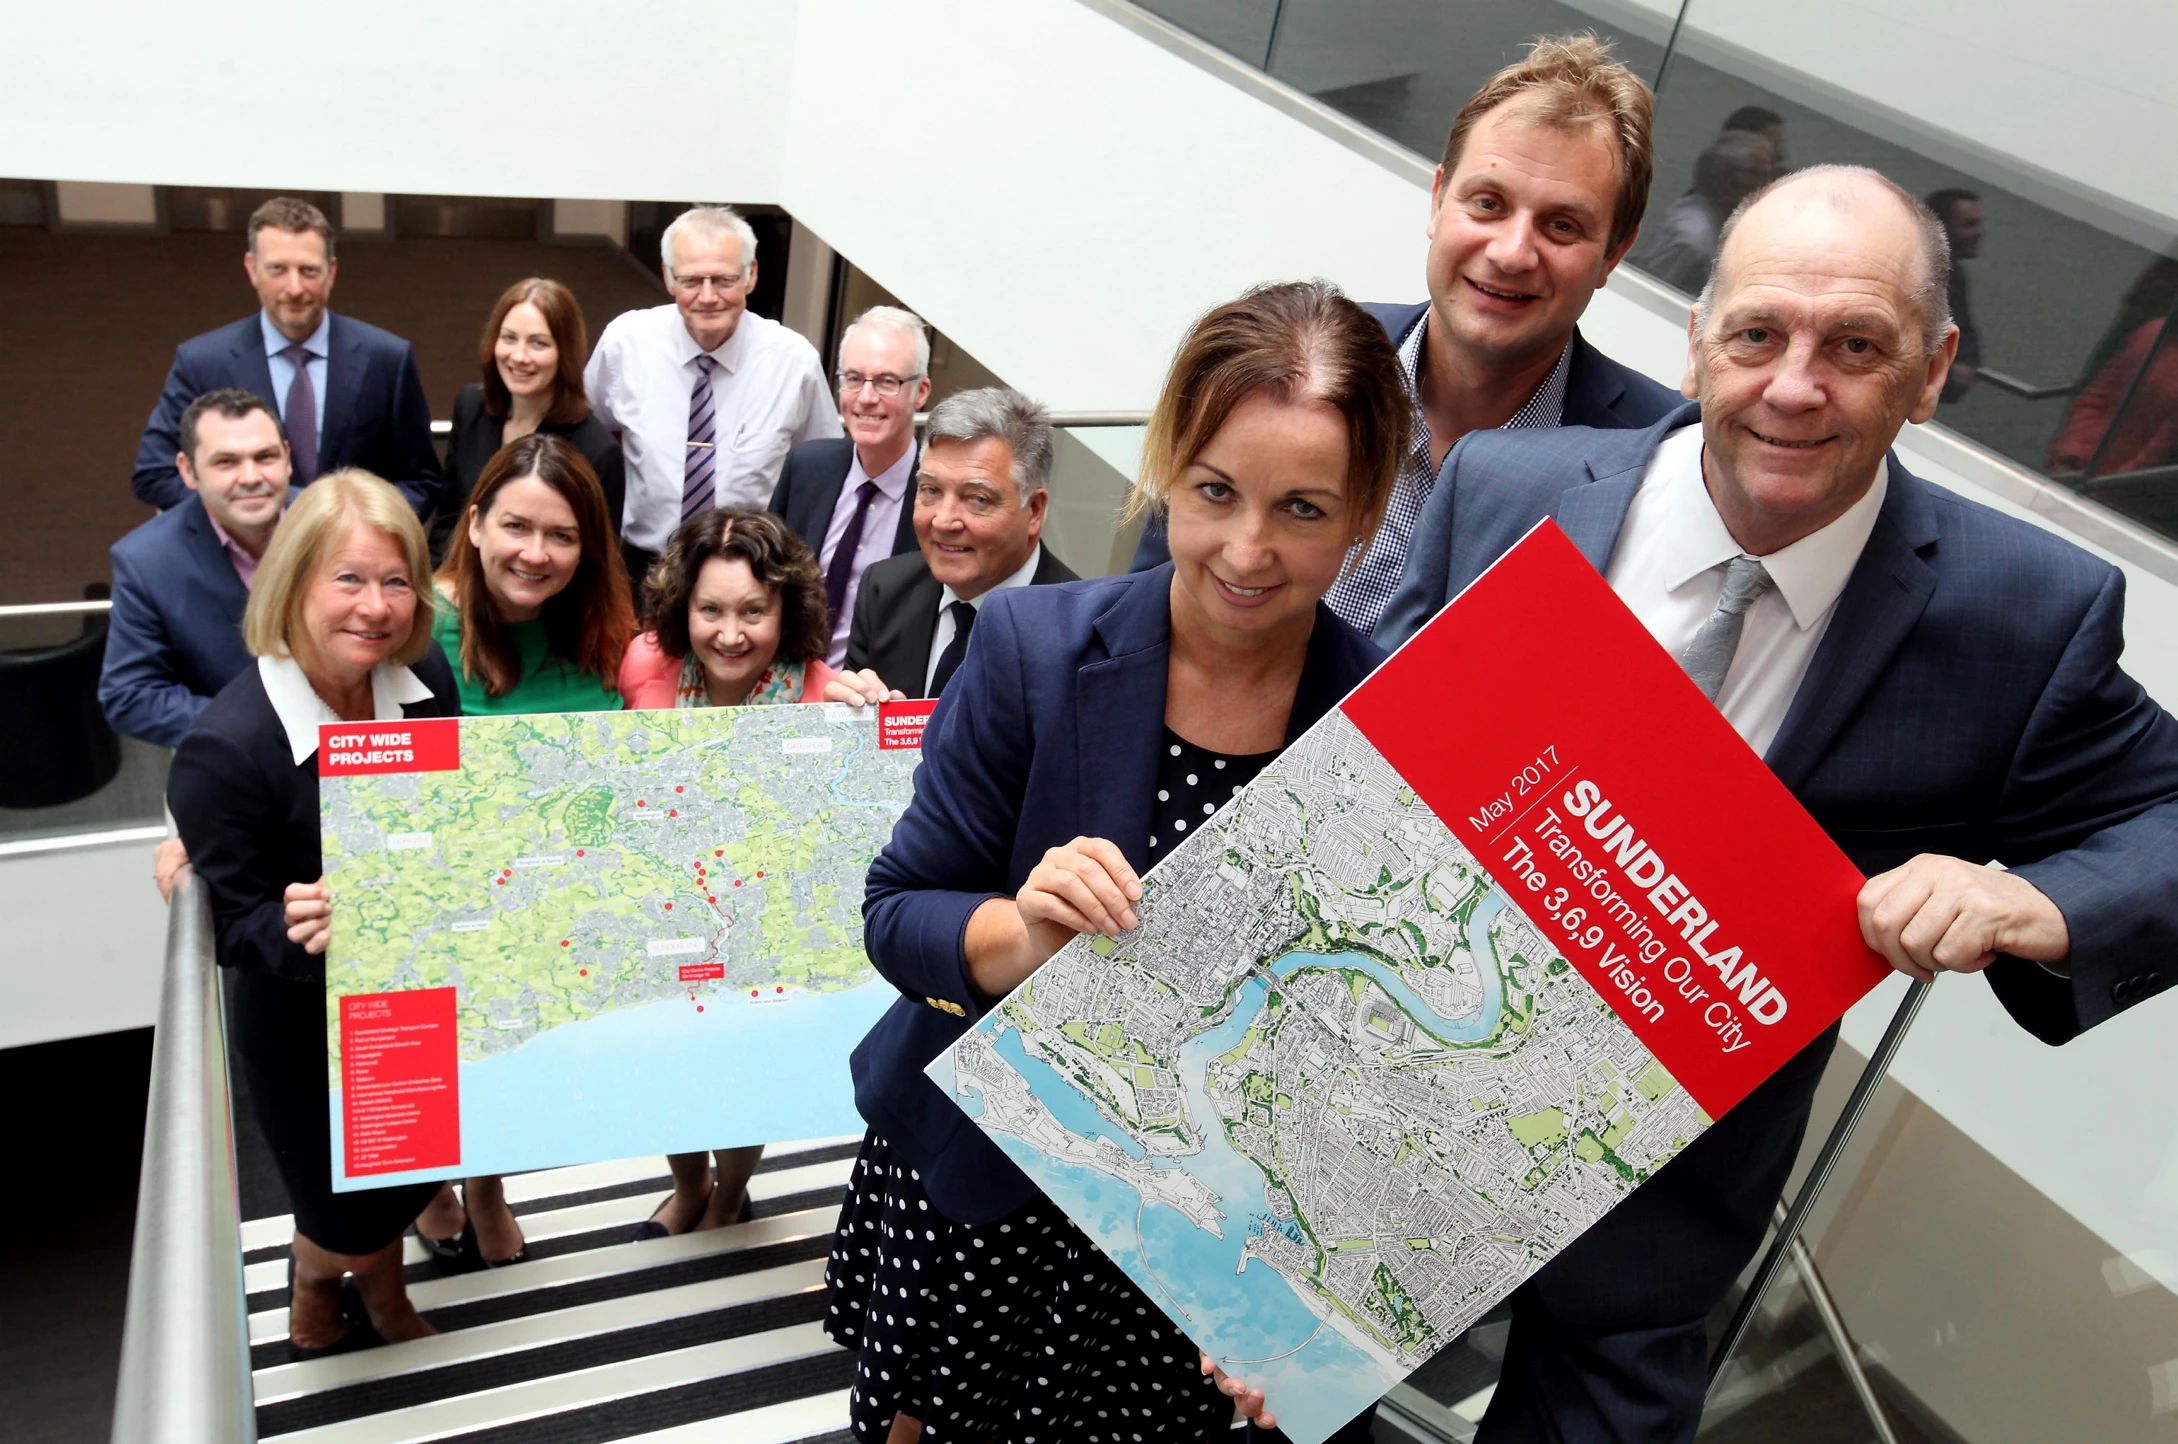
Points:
[(878, 526), (943, 637), (768, 392), (301, 710), (1669, 569)]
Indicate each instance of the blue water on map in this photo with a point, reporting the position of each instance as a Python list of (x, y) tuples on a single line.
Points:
[(1314, 1378), (664, 1078)]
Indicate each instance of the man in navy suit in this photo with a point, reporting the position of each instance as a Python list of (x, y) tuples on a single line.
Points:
[(1541, 189), (182, 579), (852, 497), (1938, 684), (347, 393)]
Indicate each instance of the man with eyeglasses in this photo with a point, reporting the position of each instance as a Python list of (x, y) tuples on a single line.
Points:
[(347, 393), (705, 396), (850, 498)]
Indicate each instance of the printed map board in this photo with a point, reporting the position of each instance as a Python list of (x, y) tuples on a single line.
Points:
[(567, 938), (1472, 959)]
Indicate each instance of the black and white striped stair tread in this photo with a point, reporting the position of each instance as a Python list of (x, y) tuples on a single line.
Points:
[(706, 1336)]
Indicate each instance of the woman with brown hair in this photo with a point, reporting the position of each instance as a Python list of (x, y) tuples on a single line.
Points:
[(736, 618), (531, 355), (1089, 727), (533, 612)]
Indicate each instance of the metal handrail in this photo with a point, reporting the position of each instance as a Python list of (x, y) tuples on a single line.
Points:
[(185, 1357), (56, 609)]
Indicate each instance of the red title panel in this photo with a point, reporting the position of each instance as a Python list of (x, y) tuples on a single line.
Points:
[(400, 1083), (1619, 810), (420, 744), (702, 972), (901, 724)]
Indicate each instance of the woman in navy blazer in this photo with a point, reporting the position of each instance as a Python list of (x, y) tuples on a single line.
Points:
[(1071, 749)]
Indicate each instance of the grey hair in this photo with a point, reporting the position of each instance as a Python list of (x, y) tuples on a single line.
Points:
[(892, 318), (1932, 297), (1001, 412), (711, 222)]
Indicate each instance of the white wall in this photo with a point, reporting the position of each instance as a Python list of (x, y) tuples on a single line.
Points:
[(84, 944)]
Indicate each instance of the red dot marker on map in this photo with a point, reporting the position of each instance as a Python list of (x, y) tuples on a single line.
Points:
[(737, 882), (582, 972), (680, 789), (699, 1007), (714, 897), (639, 802), (719, 853), (500, 880), (580, 853), (563, 942), (753, 992), (673, 812), (759, 872), (669, 907), (778, 990)]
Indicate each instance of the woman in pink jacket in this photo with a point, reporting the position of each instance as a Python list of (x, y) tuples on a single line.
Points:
[(735, 617)]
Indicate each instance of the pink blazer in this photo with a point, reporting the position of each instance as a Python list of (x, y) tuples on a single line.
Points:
[(649, 678)]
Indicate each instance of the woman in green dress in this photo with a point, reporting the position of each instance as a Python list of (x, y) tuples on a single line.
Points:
[(534, 612)]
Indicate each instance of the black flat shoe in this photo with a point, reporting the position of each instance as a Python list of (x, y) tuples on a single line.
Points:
[(473, 1252), (445, 1250)]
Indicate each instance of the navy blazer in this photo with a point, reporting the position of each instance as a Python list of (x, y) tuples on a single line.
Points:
[(375, 413), (1598, 392), (1965, 700), (176, 635), (809, 485), (248, 813), (1049, 732)]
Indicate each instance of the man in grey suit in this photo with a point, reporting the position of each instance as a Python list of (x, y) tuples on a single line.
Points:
[(980, 496), (1937, 683)]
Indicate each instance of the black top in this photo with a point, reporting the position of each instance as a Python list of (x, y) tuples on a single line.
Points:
[(1192, 783), (476, 441), (248, 813)]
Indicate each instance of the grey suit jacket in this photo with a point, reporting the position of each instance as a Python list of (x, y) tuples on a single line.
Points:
[(1966, 699)]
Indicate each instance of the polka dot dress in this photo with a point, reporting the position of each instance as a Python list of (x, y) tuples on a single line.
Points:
[(1018, 1331), (1192, 783)]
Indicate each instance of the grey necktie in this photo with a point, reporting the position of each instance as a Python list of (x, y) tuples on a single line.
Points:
[(1709, 656)]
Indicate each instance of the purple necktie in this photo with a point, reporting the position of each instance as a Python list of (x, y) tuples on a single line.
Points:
[(697, 492), (301, 415), (836, 576)]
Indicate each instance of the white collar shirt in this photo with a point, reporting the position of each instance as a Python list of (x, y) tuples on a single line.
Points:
[(768, 393), (302, 711), (1669, 569), (875, 544), (943, 636)]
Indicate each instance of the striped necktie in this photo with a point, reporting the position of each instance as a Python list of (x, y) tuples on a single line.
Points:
[(697, 491)]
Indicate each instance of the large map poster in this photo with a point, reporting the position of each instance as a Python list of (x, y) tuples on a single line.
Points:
[(568, 938), (1469, 962)]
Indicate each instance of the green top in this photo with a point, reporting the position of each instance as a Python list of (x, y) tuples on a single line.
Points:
[(547, 685)]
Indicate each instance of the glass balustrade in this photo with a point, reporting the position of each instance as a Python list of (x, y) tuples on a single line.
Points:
[(62, 770)]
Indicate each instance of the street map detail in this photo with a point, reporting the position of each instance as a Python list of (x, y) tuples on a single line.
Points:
[(589, 936), (1461, 969), (1335, 1097)]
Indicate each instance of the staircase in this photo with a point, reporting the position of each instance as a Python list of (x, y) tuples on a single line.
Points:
[(707, 1336)]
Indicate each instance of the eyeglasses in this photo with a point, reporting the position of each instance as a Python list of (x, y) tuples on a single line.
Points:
[(697, 285), (851, 382)]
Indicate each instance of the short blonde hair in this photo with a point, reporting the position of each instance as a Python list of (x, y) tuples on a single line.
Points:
[(320, 520), (1298, 342)]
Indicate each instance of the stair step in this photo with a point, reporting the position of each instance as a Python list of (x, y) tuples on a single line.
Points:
[(616, 1216), (455, 1301), (820, 1420), (526, 1190), (742, 1374), (446, 1365)]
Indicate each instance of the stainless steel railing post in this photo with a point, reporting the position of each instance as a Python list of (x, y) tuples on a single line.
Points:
[(185, 1358)]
